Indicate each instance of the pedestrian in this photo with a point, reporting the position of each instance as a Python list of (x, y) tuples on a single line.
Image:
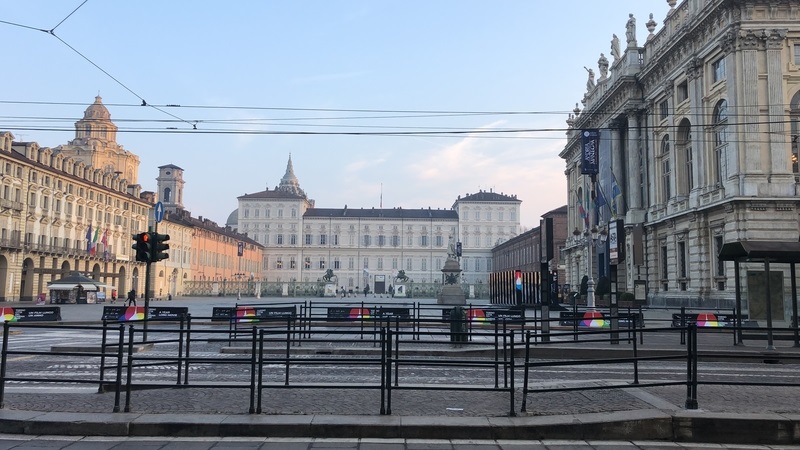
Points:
[(113, 296), (366, 290), (132, 297)]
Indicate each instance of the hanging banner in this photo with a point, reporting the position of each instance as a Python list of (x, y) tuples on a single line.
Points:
[(590, 146)]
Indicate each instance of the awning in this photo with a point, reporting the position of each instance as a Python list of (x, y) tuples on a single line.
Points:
[(776, 251), (70, 286), (74, 279)]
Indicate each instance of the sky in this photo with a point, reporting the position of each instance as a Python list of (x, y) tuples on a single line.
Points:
[(379, 102)]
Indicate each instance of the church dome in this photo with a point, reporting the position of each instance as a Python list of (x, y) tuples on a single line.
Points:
[(233, 220), (97, 110)]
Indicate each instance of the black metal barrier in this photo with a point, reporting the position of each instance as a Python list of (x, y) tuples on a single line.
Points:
[(264, 357)]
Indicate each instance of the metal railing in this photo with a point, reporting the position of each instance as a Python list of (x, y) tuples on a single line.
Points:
[(264, 356)]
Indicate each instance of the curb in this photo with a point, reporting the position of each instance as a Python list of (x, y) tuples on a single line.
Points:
[(651, 425)]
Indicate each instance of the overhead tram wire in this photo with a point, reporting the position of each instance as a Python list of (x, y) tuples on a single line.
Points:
[(52, 32)]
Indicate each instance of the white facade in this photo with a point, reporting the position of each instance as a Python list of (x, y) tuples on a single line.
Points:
[(370, 246)]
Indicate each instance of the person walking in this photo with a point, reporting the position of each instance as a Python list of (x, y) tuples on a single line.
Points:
[(132, 297)]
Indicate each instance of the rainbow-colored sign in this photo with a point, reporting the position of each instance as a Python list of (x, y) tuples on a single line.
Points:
[(594, 319)]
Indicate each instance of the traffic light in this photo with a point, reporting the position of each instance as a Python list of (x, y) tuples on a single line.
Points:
[(158, 247), (142, 246)]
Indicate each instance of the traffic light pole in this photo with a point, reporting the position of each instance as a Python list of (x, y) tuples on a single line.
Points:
[(146, 294)]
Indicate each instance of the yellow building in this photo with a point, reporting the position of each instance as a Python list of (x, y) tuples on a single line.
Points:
[(68, 209)]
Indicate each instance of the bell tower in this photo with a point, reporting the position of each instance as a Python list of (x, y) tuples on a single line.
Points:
[(170, 187)]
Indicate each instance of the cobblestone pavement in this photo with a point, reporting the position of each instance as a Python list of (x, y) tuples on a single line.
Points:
[(278, 401), (108, 443)]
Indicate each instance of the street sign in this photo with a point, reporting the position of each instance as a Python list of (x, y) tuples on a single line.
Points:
[(159, 212)]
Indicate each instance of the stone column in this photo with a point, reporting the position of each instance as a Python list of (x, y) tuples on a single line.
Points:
[(633, 182), (694, 74), (779, 157), (730, 161), (749, 43)]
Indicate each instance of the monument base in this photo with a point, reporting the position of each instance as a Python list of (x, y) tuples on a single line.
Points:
[(451, 295)]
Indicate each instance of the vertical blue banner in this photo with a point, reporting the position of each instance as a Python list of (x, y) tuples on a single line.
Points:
[(590, 151)]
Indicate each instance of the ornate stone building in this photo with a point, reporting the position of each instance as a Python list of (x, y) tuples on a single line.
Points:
[(369, 246), (698, 147), (69, 209)]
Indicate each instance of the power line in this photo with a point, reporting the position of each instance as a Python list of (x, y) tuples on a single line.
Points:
[(52, 32)]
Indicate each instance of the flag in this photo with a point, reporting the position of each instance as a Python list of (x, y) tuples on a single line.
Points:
[(600, 201), (616, 196), (104, 240), (93, 242), (583, 214), (89, 239)]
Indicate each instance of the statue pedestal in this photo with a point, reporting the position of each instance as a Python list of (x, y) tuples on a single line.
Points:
[(451, 294)]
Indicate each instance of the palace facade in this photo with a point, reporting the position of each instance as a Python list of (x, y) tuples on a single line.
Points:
[(69, 208), (75, 208), (368, 247), (698, 148)]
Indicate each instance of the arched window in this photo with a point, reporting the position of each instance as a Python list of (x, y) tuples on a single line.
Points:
[(794, 114), (720, 121), (666, 170), (167, 195), (685, 155)]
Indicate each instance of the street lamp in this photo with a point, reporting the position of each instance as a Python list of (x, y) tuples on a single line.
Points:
[(590, 239)]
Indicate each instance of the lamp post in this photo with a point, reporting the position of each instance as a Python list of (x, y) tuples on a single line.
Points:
[(590, 238)]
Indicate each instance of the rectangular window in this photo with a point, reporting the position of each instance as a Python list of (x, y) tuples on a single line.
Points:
[(381, 240), (395, 241), (367, 240), (439, 241), (683, 91), (682, 259), (293, 239), (718, 70), (720, 272), (351, 263), (308, 239), (336, 263), (307, 262), (279, 263), (424, 264), (408, 263), (322, 262), (280, 240), (335, 239), (423, 241), (366, 263), (292, 263), (380, 263), (323, 239), (394, 263), (663, 110), (797, 54)]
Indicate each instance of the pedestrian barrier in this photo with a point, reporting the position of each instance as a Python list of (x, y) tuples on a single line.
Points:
[(265, 356)]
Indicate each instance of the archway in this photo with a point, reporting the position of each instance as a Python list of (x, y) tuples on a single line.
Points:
[(65, 269), (122, 287), (26, 282)]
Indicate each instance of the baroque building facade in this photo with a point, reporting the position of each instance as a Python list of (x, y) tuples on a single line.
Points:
[(698, 147), (368, 247), (68, 209), (76, 207)]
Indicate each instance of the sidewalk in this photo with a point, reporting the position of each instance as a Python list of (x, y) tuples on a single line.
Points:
[(728, 415)]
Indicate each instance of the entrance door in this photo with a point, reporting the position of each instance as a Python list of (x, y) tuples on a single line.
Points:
[(380, 284)]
